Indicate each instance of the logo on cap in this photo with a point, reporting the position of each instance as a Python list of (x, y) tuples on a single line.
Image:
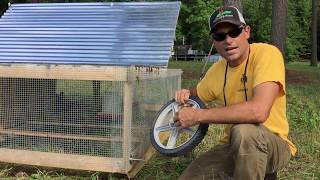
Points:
[(224, 14)]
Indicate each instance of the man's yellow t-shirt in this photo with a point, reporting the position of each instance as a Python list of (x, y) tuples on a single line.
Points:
[(265, 64)]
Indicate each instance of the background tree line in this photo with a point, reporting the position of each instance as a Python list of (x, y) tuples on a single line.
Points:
[(192, 27), (193, 24)]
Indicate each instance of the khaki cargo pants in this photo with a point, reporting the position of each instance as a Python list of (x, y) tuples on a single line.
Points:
[(253, 152)]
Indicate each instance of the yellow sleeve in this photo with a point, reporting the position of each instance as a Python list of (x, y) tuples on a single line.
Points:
[(269, 66)]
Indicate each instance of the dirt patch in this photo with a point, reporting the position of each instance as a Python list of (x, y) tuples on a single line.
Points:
[(297, 77), (292, 76)]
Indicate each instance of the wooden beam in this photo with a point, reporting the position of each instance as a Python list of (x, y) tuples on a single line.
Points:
[(156, 74), (69, 161), (83, 125), (67, 136), (59, 135), (70, 72), (127, 112)]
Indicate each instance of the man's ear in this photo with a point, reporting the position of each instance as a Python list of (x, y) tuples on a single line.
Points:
[(247, 30)]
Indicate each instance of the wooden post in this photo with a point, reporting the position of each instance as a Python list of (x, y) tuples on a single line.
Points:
[(127, 110)]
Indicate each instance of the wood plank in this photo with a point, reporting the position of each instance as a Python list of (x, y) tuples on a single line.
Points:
[(70, 72), (65, 136), (83, 125), (82, 72), (59, 135), (127, 112), (68, 161), (156, 73)]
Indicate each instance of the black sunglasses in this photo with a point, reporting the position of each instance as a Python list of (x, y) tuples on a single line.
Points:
[(233, 33)]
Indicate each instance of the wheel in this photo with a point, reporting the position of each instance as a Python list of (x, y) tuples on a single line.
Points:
[(170, 139)]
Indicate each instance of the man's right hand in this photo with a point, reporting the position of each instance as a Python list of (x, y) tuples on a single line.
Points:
[(182, 95)]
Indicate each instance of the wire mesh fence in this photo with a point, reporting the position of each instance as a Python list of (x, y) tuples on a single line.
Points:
[(63, 116), (84, 117)]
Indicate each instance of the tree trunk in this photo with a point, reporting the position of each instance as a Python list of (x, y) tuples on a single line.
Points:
[(314, 57), (236, 3), (279, 24)]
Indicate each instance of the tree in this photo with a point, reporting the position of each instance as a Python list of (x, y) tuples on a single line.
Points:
[(193, 23), (314, 58), (298, 40), (279, 23), (236, 3), (3, 6)]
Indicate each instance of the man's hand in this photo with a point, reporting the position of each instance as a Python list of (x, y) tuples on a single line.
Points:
[(187, 116), (182, 95)]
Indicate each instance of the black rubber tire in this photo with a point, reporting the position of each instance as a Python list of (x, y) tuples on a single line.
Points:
[(186, 147)]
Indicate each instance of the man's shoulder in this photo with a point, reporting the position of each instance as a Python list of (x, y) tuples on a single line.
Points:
[(265, 52), (263, 47), (268, 57)]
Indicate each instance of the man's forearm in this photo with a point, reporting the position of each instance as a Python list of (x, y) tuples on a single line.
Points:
[(256, 110), (245, 112)]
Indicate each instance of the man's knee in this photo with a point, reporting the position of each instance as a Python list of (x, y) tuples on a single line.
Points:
[(243, 132), (247, 137)]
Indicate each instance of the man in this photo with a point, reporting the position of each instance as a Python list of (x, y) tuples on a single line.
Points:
[(250, 84)]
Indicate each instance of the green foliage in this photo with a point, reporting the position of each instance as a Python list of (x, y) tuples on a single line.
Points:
[(193, 24), (3, 6), (263, 31), (299, 34), (258, 15), (292, 49)]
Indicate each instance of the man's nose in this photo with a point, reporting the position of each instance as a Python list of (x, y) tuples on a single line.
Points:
[(228, 39)]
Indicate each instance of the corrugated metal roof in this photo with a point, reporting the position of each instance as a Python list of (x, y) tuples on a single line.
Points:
[(139, 33)]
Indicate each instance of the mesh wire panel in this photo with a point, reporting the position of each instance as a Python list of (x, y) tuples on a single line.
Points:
[(149, 96), (63, 116), (84, 117)]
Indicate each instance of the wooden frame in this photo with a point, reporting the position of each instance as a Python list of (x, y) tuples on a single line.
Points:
[(83, 72), (128, 75), (70, 72), (68, 161)]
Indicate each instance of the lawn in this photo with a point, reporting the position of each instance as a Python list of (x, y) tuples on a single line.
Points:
[(303, 110)]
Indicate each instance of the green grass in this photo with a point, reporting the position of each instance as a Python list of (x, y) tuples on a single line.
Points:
[(303, 67), (303, 110), (190, 68)]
